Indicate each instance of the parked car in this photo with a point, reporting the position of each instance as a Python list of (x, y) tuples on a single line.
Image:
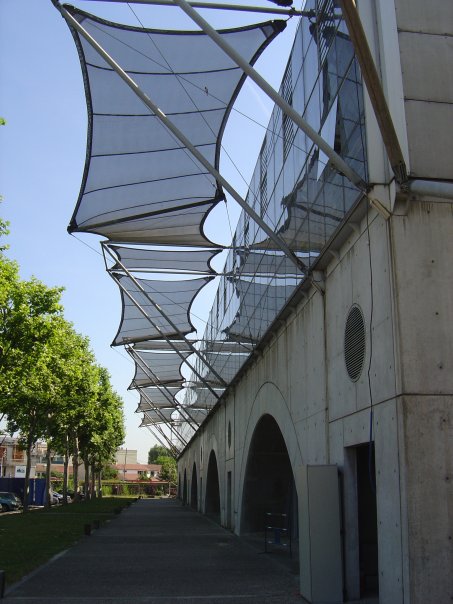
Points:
[(9, 501), (60, 497), (80, 495)]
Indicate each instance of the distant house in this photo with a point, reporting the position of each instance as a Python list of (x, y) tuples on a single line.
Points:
[(137, 471), (130, 469), (13, 458)]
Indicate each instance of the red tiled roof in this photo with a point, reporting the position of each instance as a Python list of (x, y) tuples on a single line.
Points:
[(138, 467)]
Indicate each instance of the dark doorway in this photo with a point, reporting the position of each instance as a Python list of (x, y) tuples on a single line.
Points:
[(229, 519), (184, 489), (212, 502), (269, 486), (194, 489), (367, 520)]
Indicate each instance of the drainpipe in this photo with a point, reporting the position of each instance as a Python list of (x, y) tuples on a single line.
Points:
[(431, 188)]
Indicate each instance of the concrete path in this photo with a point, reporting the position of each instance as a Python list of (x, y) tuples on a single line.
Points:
[(159, 552)]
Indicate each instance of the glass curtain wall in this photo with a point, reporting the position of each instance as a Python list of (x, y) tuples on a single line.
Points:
[(294, 188)]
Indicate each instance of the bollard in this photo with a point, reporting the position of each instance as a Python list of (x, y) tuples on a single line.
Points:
[(2, 583), (87, 529)]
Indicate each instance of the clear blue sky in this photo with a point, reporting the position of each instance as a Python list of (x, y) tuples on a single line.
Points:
[(42, 152)]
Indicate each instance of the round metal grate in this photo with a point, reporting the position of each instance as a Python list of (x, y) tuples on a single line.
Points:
[(354, 342)]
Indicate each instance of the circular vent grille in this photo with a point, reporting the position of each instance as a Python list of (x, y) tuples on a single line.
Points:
[(354, 343)]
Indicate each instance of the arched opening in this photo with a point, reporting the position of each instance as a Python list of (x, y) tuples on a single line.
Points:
[(184, 489), (269, 492), (212, 501), (194, 488)]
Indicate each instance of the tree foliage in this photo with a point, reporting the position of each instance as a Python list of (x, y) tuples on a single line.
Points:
[(156, 452), (50, 385), (169, 469)]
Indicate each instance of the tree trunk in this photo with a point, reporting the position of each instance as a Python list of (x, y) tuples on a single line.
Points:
[(27, 473), (93, 481), (65, 475), (48, 500), (100, 483), (87, 480), (75, 469)]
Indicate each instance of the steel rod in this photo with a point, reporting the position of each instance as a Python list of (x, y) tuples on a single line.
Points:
[(374, 87), (170, 445), (336, 160), (290, 12), (135, 355), (155, 409), (162, 335), (166, 317), (185, 141), (167, 395)]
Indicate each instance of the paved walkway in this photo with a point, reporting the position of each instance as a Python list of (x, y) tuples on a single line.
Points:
[(159, 552)]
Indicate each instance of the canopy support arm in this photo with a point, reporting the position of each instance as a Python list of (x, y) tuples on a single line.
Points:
[(166, 439), (374, 88), (290, 12), (162, 335), (150, 373), (169, 444), (336, 160), (179, 409), (167, 395), (166, 317), (185, 141)]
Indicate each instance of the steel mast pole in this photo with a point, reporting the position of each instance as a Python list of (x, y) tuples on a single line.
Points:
[(183, 440), (169, 444), (165, 316), (150, 373), (289, 12), (185, 141), (336, 160), (162, 335)]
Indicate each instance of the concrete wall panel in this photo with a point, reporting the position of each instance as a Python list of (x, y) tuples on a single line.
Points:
[(426, 60), (434, 17), (385, 428), (428, 122), (424, 279), (428, 426)]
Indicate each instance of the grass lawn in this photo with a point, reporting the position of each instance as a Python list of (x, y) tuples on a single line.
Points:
[(29, 540)]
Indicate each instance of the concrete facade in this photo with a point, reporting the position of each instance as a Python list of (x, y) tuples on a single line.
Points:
[(397, 269)]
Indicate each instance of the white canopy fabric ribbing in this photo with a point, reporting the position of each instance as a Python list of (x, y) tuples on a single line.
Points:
[(142, 259), (153, 397), (173, 297), (158, 368), (140, 184)]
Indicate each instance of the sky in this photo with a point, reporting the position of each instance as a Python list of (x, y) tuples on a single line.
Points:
[(42, 154)]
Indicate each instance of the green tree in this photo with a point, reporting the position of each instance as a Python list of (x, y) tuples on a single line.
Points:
[(156, 452), (76, 387), (103, 434), (30, 313), (169, 469), (109, 472)]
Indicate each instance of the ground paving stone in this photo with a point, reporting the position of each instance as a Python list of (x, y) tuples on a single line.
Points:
[(160, 552)]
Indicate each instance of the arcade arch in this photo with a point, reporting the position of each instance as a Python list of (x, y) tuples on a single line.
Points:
[(184, 488), (212, 498), (194, 488), (268, 485)]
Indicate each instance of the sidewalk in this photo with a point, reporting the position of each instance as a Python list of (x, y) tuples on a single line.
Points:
[(159, 552)]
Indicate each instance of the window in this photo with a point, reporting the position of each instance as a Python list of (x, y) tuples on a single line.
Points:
[(263, 178), (18, 453), (288, 126)]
